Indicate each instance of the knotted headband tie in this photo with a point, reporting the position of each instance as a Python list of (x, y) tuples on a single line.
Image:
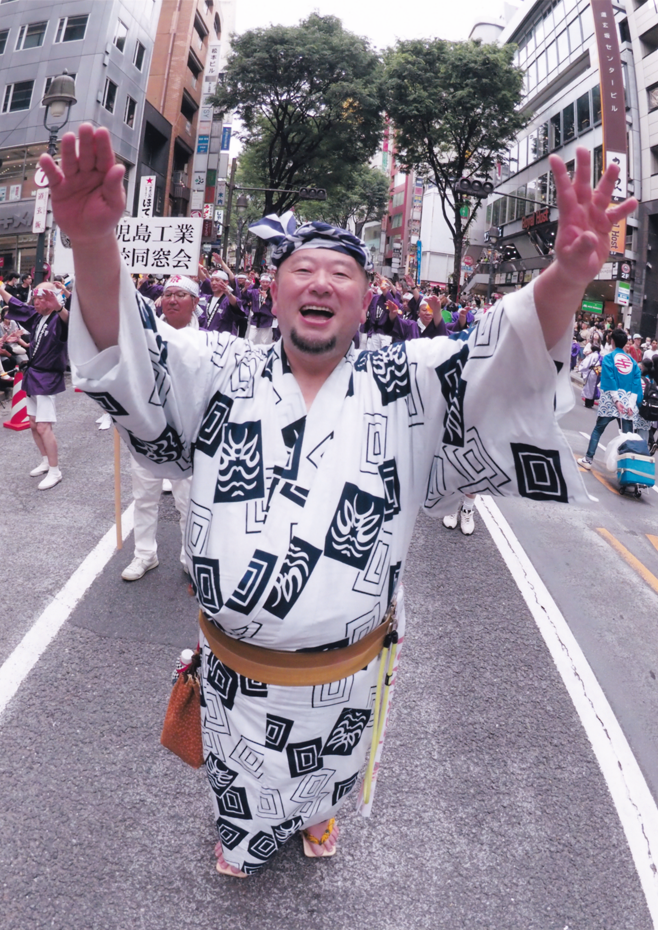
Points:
[(286, 237)]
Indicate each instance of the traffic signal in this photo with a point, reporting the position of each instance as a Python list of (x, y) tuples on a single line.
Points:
[(474, 188), (312, 193)]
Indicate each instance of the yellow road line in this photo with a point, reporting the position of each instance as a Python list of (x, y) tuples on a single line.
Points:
[(605, 482), (628, 557), (653, 540)]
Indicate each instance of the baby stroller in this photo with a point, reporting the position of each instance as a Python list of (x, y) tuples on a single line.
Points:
[(636, 469)]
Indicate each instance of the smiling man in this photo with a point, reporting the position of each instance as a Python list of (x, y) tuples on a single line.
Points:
[(310, 463)]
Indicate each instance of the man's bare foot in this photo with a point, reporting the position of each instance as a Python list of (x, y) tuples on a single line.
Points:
[(318, 830), (222, 865)]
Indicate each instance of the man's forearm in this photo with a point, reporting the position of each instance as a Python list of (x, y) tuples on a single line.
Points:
[(557, 299), (97, 285)]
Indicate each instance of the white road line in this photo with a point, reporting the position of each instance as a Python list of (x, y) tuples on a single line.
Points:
[(635, 805), (25, 656)]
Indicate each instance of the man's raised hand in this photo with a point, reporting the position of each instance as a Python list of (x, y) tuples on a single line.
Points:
[(582, 244), (586, 217), (87, 191)]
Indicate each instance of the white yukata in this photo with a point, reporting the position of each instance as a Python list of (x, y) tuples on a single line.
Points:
[(299, 522)]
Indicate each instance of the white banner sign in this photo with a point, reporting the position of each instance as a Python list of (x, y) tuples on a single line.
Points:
[(158, 245), (146, 195), (40, 210)]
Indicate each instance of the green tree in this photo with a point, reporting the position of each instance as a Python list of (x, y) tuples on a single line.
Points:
[(310, 100), (455, 106), (361, 195)]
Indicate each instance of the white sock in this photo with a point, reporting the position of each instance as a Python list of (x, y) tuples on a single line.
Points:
[(44, 460), (468, 504), (53, 469)]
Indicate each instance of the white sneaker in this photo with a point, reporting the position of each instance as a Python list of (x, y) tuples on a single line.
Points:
[(51, 479), (467, 522), (585, 463), (40, 469), (451, 520), (138, 568), (166, 486)]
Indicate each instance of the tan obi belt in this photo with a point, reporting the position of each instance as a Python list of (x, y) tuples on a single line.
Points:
[(278, 667)]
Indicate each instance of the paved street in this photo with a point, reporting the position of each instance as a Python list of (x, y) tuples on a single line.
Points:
[(491, 809)]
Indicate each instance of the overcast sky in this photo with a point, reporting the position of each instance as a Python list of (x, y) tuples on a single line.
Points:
[(382, 21)]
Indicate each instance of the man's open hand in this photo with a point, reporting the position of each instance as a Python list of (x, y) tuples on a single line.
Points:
[(586, 217), (87, 191)]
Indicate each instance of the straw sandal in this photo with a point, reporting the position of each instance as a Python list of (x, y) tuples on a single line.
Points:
[(310, 841)]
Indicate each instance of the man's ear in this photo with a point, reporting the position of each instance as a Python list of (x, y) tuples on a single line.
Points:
[(274, 292)]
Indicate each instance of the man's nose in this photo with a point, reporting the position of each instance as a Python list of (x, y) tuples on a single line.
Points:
[(321, 281)]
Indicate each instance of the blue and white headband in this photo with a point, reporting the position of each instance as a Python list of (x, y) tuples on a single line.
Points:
[(286, 237)]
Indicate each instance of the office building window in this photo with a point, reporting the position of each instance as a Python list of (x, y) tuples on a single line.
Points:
[(188, 106), (523, 153), (596, 104), (17, 96), (71, 28), (584, 115), (556, 131), (109, 95), (31, 36), (396, 221), (575, 35), (195, 67), (652, 97), (552, 192), (597, 164), (120, 34), (3, 39), (129, 112), (568, 123), (138, 60)]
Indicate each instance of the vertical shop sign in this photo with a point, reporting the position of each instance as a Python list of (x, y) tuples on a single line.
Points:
[(613, 108)]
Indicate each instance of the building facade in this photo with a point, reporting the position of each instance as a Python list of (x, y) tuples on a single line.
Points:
[(107, 46), (190, 50), (557, 50)]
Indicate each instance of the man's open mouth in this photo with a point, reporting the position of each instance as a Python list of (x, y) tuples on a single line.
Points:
[(311, 312)]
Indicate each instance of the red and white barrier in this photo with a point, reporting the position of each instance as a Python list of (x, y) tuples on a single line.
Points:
[(19, 419)]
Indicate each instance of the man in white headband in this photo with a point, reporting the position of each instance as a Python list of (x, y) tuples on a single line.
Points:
[(178, 303), (310, 464)]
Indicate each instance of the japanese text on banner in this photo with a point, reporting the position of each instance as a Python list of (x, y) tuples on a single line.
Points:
[(160, 245)]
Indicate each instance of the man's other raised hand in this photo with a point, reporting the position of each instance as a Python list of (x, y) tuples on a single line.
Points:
[(582, 243), (87, 192), (586, 217)]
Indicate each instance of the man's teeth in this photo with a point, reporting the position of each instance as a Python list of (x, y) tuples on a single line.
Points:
[(322, 311)]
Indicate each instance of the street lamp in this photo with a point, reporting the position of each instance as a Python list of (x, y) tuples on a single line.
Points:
[(58, 101), (241, 205)]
